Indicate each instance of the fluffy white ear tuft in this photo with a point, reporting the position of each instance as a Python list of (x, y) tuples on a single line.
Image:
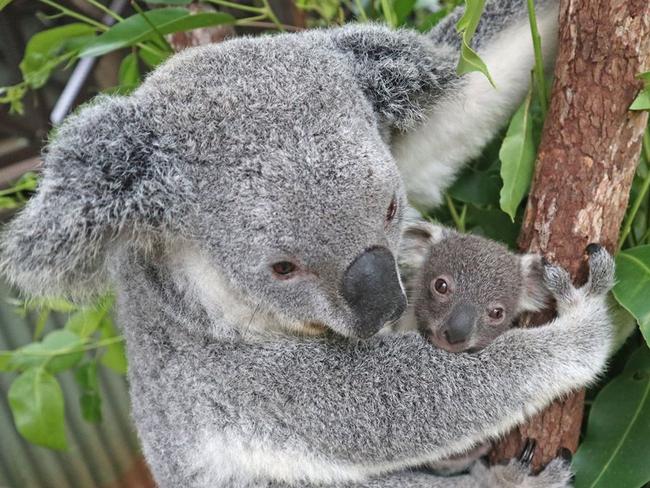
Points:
[(535, 295), (417, 238)]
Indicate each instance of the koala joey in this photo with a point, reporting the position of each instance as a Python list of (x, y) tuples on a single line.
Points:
[(465, 290), (251, 191)]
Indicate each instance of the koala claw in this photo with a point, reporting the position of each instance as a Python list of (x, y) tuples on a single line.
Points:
[(527, 453), (565, 454), (557, 474), (601, 277), (601, 270)]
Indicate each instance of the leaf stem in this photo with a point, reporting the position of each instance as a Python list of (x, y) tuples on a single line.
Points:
[(642, 193), (106, 10), (272, 16), (540, 81), (361, 12), (458, 221), (70, 350), (75, 15), (236, 6), (163, 42)]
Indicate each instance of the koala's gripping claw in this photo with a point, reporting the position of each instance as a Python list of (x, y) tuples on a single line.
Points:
[(601, 277), (601, 270), (528, 451)]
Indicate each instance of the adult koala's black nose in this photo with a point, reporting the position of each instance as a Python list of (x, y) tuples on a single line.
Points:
[(372, 289)]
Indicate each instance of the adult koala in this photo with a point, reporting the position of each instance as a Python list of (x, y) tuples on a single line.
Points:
[(247, 196)]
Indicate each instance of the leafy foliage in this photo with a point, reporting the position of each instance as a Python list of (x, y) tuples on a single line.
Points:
[(615, 449), (488, 198)]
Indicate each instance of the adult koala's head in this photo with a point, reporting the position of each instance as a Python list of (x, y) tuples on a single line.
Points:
[(263, 163)]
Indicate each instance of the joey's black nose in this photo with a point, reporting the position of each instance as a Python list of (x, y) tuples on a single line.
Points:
[(460, 323), (372, 289)]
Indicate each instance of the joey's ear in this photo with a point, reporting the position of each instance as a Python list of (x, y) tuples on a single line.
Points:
[(107, 175), (535, 295), (417, 238)]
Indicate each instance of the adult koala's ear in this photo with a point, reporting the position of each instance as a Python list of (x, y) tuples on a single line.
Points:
[(107, 175), (535, 296)]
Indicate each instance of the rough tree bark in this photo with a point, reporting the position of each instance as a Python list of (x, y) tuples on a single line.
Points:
[(588, 154)]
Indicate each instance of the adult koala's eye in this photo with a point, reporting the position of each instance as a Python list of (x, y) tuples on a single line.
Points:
[(391, 211), (496, 313), (284, 269), (441, 286)]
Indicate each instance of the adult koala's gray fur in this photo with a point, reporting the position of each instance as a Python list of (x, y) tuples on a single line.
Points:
[(247, 195)]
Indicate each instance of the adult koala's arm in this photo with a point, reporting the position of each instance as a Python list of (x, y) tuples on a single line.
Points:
[(335, 411)]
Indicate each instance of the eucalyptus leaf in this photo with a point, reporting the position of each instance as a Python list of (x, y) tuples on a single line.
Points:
[(43, 51), (36, 403), (642, 101), (615, 449), (470, 60), (91, 406), (137, 28), (129, 73), (85, 322), (517, 156), (4, 3), (402, 9), (5, 360), (632, 289), (477, 187), (169, 2), (114, 356), (62, 340)]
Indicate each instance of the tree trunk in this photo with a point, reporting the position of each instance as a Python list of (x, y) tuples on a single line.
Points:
[(587, 157)]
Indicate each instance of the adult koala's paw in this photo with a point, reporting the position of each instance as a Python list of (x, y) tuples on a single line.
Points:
[(517, 473), (584, 312)]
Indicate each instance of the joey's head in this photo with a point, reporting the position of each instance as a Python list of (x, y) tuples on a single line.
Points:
[(260, 172), (465, 290)]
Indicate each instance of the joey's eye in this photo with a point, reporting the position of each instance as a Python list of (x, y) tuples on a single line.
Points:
[(284, 269), (391, 211), (441, 286), (496, 313)]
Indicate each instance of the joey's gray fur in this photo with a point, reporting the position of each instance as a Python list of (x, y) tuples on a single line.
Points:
[(232, 158), (479, 277)]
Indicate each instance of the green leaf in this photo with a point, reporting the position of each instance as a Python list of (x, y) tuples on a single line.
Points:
[(91, 407), (493, 224), (36, 403), (86, 376), (402, 9), (43, 51), (615, 449), (5, 360), (85, 322), (517, 156), (469, 60), (59, 341), (114, 357), (169, 2), (4, 3), (44, 354), (477, 187), (90, 400), (633, 285), (153, 59), (129, 73), (136, 28), (642, 101)]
